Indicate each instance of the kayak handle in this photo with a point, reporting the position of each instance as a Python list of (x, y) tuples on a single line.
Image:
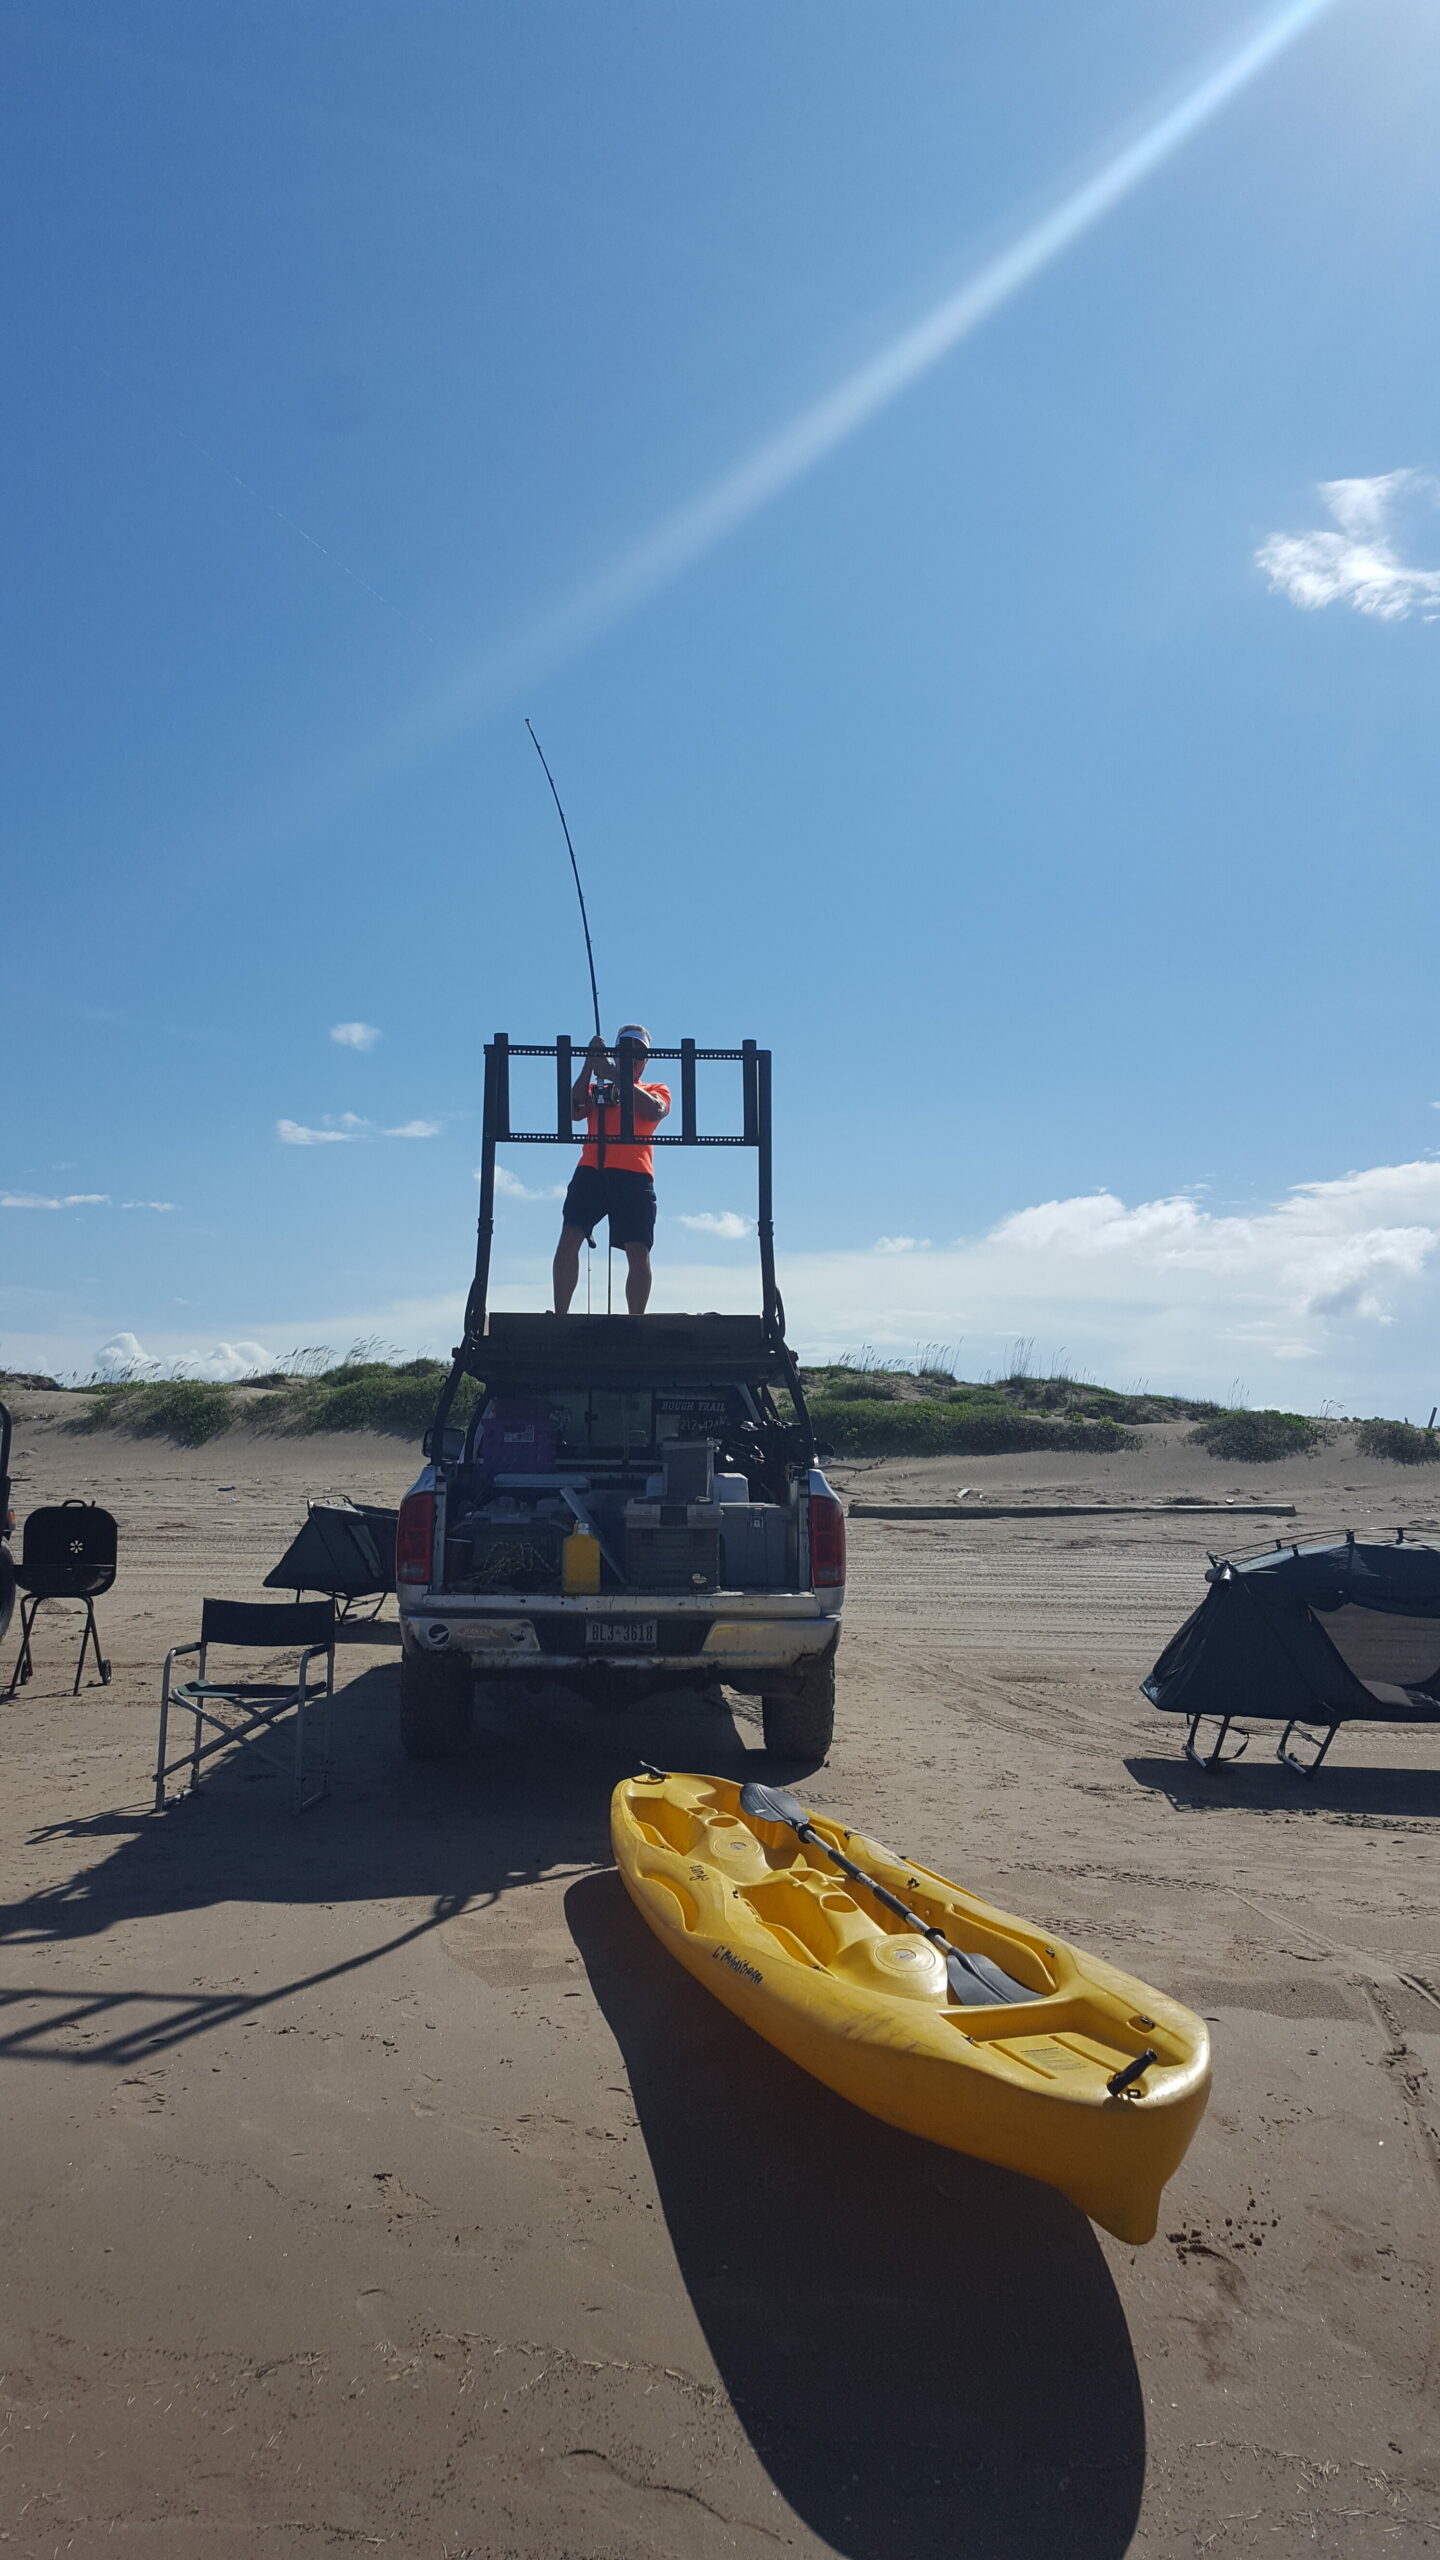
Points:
[(1120, 2081)]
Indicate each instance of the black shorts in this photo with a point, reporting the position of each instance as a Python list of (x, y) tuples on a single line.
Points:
[(626, 1199)]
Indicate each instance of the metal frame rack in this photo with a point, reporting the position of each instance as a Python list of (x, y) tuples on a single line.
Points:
[(754, 1131)]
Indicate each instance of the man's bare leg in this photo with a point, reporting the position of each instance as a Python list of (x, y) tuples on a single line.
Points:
[(637, 1278), (566, 1273)]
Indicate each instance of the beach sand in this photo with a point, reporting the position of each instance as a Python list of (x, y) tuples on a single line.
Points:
[(374, 2183)]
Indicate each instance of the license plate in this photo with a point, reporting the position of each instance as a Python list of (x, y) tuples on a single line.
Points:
[(620, 1635)]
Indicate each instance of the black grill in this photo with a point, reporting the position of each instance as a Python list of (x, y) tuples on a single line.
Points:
[(68, 1553)]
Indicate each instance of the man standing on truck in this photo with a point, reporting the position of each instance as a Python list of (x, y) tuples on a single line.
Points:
[(612, 1180)]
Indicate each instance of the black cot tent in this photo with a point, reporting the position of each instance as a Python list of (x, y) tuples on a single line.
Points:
[(347, 1549), (1312, 1637)]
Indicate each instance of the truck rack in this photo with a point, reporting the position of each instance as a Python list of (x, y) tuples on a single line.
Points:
[(603, 1346)]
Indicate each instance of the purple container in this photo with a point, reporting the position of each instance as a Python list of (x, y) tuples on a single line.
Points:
[(518, 1438)]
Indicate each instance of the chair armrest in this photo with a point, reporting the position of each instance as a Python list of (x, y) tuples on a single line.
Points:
[(307, 1657), (174, 1654)]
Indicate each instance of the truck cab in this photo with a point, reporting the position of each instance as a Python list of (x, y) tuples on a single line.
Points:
[(635, 1505)]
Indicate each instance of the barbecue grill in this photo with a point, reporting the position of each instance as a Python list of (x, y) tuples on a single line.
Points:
[(68, 1553)]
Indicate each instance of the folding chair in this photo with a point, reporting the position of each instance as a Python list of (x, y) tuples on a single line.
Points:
[(68, 1553), (248, 1711)]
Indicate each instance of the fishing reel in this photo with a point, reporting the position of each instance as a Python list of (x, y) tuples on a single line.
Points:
[(606, 1096)]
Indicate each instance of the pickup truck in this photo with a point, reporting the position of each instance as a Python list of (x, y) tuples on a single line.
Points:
[(715, 1545), (635, 1504)]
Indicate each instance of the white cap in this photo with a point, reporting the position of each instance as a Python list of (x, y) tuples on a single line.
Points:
[(634, 1031)]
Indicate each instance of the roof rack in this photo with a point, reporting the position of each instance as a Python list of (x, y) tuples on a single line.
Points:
[(492, 1347)]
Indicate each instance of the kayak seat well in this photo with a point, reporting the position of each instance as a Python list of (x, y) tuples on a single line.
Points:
[(687, 1909)]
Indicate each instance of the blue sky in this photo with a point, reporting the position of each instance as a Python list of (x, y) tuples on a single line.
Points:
[(1034, 745)]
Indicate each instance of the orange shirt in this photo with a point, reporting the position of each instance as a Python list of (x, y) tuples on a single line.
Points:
[(618, 1159)]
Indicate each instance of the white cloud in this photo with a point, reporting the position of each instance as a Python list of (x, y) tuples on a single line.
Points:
[(71, 1200), (1360, 565), (902, 1244), (344, 1126), (124, 1356), (719, 1222), (510, 1186), (1328, 1248), (354, 1035), (1331, 1290), (149, 1204), (1341, 1276)]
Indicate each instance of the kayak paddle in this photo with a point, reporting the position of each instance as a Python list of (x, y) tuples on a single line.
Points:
[(974, 1981)]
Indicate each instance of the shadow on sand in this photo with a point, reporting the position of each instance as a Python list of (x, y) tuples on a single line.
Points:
[(427, 1842), (929, 2355), (1258, 1784)]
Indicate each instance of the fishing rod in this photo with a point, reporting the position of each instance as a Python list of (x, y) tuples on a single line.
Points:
[(575, 867), (594, 997)]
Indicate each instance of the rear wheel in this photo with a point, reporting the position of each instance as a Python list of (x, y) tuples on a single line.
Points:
[(799, 1720), (437, 1699)]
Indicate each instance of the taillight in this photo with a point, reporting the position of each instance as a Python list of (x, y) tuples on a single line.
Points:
[(827, 1542), (415, 1538)]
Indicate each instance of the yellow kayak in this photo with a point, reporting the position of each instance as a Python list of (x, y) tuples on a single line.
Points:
[(955, 2021)]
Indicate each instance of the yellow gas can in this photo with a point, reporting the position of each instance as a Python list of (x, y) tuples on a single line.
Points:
[(580, 1562)]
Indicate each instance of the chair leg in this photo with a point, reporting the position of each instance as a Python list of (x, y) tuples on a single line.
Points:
[(160, 1747), (1217, 1756), (303, 1802), (1291, 1760), (91, 1636), (199, 1732), (24, 1660)]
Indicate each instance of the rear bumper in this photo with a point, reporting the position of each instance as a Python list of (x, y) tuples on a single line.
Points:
[(726, 1633)]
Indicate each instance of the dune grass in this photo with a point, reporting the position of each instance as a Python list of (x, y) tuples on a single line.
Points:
[(188, 1411), (861, 1407), (1404, 1442), (1254, 1438), (955, 1425), (368, 1395)]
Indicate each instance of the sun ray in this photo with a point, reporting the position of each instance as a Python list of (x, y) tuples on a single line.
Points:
[(685, 536)]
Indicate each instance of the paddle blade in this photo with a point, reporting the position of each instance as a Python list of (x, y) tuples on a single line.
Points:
[(771, 1804), (978, 1984)]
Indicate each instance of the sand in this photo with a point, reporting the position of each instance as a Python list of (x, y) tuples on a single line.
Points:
[(374, 2183)]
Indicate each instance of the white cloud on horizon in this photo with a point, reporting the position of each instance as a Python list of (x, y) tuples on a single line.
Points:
[(166, 1205), (354, 1035), (1338, 1281), (719, 1222), (124, 1356), (902, 1244), (414, 1129), (1359, 565), (71, 1200), (293, 1133)]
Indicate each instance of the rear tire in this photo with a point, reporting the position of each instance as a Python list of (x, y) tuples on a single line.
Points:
[(799, 1722), (437, 1700)]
